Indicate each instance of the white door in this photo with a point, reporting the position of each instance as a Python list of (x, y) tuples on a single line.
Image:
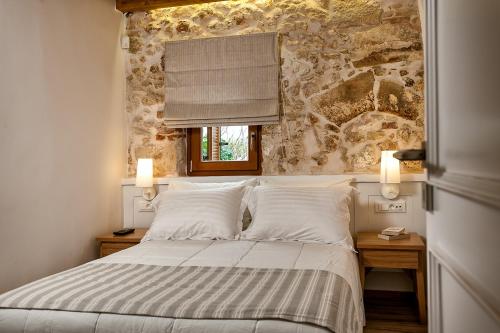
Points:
[(463, 155)]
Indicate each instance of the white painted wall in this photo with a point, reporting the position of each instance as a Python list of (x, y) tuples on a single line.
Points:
[(61, 133)]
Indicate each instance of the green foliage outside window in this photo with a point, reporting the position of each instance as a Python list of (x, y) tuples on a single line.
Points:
[(204, 148), (226, 153), (233, 147)]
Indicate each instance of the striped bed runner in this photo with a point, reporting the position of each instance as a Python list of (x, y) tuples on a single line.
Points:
[(308, 296)]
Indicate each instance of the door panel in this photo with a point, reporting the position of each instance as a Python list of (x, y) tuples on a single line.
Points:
[(458, 304), (462, 236), (468, 75)]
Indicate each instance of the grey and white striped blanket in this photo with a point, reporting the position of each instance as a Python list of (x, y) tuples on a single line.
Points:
[(198, 292)]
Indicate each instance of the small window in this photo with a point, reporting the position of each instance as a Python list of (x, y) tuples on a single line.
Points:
[(225, 150)]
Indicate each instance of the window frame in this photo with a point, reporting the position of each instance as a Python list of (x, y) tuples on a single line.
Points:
[(198, 167)]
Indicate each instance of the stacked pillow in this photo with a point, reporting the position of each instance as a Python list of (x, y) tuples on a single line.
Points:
[(200, 210), (197, 214), (307, 214), (243, 220), (288, 212)]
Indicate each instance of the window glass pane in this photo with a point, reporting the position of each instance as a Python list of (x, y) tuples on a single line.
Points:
[(234, 143), (204, 144), (226, 143)]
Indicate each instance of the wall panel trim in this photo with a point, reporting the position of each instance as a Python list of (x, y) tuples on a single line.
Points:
[(356, 178), (480, 189), (439, 260)]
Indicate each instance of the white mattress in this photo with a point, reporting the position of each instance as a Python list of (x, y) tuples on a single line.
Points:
[(198, 253)]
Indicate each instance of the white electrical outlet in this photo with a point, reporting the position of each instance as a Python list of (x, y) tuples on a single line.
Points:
[(145, 206), (390, 206)]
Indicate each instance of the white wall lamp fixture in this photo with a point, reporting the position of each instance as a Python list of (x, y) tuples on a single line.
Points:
[(389, 175), (144, 178)]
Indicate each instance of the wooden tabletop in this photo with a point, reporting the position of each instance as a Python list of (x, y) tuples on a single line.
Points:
[(130, 238), (369, 240)]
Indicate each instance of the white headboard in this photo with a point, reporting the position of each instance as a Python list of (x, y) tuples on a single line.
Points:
[(363, 208)]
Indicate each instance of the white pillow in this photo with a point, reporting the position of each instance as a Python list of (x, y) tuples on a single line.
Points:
[(248, 183), (197, 214), (303, 182), (309, 214), (252, 201), (184, 185)]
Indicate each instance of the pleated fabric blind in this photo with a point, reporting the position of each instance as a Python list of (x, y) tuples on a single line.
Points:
[(222, 81)]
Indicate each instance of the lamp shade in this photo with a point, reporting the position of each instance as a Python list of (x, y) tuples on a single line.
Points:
[(389, 168), (144, 177)]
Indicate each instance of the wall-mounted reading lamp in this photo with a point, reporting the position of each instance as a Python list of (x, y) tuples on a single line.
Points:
[(389, 175), (144, 178)]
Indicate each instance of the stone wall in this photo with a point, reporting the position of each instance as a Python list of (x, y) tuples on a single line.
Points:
[(352, 81)]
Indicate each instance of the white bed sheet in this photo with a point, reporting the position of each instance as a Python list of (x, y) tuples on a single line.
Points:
[(240, 253)]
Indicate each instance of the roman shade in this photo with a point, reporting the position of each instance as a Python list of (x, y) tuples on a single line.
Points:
[(222, 81)]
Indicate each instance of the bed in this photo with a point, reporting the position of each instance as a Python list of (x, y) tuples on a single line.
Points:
[(285, 255), (238, 284)]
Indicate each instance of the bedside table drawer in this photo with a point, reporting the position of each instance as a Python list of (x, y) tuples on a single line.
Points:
[(390, 259), (110, 248), (110, 243)]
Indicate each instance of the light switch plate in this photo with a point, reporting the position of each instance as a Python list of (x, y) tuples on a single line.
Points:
[(143, 213), (125, 42), (390, 206)]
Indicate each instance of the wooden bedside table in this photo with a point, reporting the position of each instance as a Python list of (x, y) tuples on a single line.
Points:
[(403, 253), (111, 243)]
